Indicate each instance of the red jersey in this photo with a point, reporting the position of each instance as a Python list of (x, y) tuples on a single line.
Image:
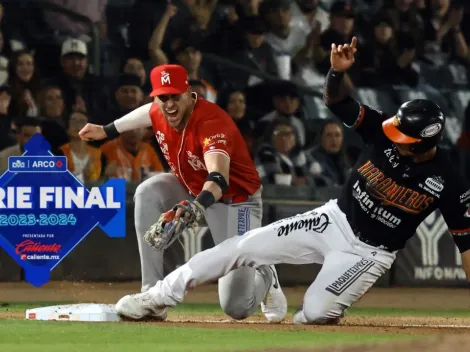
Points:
[(209, 130)]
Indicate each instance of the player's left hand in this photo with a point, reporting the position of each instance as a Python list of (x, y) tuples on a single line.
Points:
[(171, 224)]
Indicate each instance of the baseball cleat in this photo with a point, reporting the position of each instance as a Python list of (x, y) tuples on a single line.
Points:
[(140, 306), (274, 305)]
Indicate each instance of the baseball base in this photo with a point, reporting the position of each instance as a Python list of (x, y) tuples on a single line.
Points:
[(90, 312)]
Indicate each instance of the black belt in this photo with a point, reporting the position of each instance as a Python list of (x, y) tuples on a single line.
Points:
[(370, 242)]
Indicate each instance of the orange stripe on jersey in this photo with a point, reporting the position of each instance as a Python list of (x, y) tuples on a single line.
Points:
[(360, 118), (465, 231)]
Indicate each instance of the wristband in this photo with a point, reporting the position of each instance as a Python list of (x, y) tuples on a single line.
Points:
[(205, 198), (219, 179), (111, 130)]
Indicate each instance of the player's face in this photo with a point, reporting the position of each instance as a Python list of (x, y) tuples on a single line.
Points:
[(332, 138), (404, 149), (176, 108)]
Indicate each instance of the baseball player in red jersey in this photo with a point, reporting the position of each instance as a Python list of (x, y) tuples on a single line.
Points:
[(213, 181), (400, 178)]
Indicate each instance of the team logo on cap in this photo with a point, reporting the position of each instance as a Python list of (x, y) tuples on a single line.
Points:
[(431, 130), (165, 78)]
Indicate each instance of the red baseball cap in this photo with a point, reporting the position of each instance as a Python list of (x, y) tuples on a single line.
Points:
[(169, 79)]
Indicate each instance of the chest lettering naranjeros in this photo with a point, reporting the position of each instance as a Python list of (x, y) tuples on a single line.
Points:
[(390, 193)]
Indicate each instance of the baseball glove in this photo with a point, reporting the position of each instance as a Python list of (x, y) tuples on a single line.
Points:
[(166, 230)]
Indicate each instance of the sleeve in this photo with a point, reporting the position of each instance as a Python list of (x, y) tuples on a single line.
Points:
[(455, 208), (216, 136), (139, 118), (368, 122)]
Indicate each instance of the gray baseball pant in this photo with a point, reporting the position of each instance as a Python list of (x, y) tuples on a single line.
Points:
[(241, 291)]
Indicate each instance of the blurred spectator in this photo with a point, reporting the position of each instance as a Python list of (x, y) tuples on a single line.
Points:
[(464, 139), (251, 50), (406, 23), (24, 81), (81, 90), (286, 101), (6, 139), (306, 14), (3, 61), (134, 65), (286, 41), (130, 158), (63, 26), (443, 38), (54, 116), (329, 164), (234, 103), (188, 54), (340, 31), (83, 160), (198, 87), (155, 45), (51, 103), (276, 159), (25, 128), (380, 61), (127, 97)]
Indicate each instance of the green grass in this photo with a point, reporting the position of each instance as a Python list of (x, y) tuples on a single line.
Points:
[(22, 335), (17, 335)]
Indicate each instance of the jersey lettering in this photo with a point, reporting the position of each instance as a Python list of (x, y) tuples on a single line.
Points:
[(390, 193)]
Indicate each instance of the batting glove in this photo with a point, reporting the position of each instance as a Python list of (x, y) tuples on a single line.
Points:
[(166, 230)]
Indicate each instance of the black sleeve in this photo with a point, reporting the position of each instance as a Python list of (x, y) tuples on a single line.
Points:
[(455, 207), (365, 120)]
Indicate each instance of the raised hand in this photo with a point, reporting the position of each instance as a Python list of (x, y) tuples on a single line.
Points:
[(342, 56)]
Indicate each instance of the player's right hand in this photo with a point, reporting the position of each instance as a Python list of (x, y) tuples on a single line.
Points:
[(92, 132), (342, 56)]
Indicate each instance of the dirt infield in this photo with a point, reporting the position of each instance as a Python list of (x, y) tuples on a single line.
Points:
[(436, 299)]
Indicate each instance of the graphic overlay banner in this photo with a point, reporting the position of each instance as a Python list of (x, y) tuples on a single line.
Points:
[(45, 211)]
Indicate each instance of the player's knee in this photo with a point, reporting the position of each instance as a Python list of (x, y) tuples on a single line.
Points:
[(320, 315), (236, 308)]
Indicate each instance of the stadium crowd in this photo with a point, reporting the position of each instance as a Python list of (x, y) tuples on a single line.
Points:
[(48, 85)]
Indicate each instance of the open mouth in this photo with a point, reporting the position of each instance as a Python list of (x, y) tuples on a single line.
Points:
[(172, 114)]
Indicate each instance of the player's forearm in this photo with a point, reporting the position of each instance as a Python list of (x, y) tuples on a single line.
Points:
[(218, 167), (337, 99), (139, 118)]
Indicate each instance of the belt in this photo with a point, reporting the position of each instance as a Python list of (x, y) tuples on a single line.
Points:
[(370, 242), (235, 199)]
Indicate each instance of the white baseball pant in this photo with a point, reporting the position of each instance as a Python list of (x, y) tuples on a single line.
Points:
[(240, 291), (323, 236)]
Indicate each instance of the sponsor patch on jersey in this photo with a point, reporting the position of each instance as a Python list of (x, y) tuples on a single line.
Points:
[(435, 183), (349, 276), (464, 197)]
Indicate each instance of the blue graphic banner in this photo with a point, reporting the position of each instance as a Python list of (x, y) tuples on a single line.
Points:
[(45, 211)]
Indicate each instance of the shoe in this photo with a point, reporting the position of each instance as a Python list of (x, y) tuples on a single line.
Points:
[(274, 305), (140, 306), (299, 318)]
